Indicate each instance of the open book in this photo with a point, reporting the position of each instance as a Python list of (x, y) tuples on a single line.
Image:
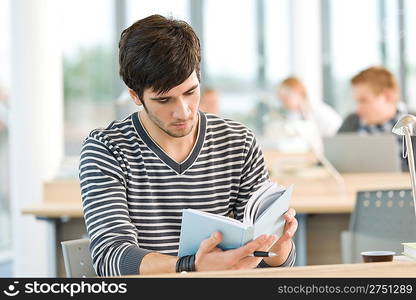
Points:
[(263, 214)]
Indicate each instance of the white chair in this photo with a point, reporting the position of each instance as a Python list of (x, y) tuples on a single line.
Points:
[(77, 258)]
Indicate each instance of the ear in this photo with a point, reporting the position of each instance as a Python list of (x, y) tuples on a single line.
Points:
[(135, 97), (390, 95)]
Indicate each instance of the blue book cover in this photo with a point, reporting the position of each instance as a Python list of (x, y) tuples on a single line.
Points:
[(263, 215)]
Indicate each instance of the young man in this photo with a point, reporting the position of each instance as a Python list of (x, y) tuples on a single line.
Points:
[(378, 108), (138, 174)]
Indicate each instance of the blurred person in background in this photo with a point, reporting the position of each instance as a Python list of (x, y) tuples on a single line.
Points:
[(210, 102), (378, 105), (318, 119), (293, 95)]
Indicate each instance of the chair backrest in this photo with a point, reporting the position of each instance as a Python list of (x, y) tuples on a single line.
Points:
[(381, 220), (77, 258)]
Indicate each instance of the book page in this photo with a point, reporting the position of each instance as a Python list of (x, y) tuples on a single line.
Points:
[(215, 216), (271, 220), (251, 203), (261, 200), (266, 203)]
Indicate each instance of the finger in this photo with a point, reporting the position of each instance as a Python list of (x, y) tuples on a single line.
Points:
[(293, 227), (251, 246), (289, 232), (210, 244), (248, 261), (290, 214), (264, 244), (290, 219), (251, 261), (268, 243)]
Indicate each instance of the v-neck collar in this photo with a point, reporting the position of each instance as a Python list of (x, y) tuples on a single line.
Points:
[(179, 168)]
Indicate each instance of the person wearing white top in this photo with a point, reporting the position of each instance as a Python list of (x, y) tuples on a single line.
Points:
[(319, 119)]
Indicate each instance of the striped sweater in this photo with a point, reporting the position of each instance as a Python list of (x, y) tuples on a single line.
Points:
[(133, 193)]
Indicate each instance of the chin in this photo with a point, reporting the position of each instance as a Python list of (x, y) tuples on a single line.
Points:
[(180, 134)]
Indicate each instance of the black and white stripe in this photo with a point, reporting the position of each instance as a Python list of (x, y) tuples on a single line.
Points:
[(133, 193)]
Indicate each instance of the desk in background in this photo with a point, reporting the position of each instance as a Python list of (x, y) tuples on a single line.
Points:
[(61, 209)]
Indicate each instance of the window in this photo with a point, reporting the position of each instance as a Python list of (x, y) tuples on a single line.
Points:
[(234, 53), (230, 44), (410, 41), (140, 9), (390, 36), (89, 68), (354, 46), (230, 57), (277, 41)]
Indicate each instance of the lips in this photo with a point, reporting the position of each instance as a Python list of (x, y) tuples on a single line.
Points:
[(180, 125)]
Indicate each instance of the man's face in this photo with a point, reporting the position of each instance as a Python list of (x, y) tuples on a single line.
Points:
[(174, 112), (290, 99), (371, 108)]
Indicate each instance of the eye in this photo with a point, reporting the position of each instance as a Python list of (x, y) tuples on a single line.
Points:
[(161, 101)]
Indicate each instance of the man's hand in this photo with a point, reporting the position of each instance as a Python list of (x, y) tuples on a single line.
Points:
[(209, 257), (283, 246)]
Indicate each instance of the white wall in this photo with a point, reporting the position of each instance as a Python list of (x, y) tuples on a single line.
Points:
[(36, 124)]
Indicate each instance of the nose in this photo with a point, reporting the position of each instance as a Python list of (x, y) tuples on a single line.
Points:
[(360, 109), (182, 111)]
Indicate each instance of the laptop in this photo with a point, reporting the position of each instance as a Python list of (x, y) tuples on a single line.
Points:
[(360, 153)]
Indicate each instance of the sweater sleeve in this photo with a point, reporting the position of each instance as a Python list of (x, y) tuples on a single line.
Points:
[(113, 238), (254, 173)]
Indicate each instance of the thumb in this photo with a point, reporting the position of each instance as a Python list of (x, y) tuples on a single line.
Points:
[(210, 243)]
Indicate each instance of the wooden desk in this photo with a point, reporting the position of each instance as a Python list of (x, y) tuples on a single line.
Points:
[(54, 210), (61, 198), (315, 192), (368, 270), (61, 208)]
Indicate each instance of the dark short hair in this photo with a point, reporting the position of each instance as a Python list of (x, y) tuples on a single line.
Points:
[(158, 53)]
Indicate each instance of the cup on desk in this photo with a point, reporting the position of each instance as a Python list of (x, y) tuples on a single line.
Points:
[(377, 256)]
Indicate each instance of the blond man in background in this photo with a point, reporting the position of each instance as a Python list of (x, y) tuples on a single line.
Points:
[(378, 105)]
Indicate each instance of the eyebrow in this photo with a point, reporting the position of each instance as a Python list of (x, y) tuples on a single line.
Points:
[(167, 97)]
